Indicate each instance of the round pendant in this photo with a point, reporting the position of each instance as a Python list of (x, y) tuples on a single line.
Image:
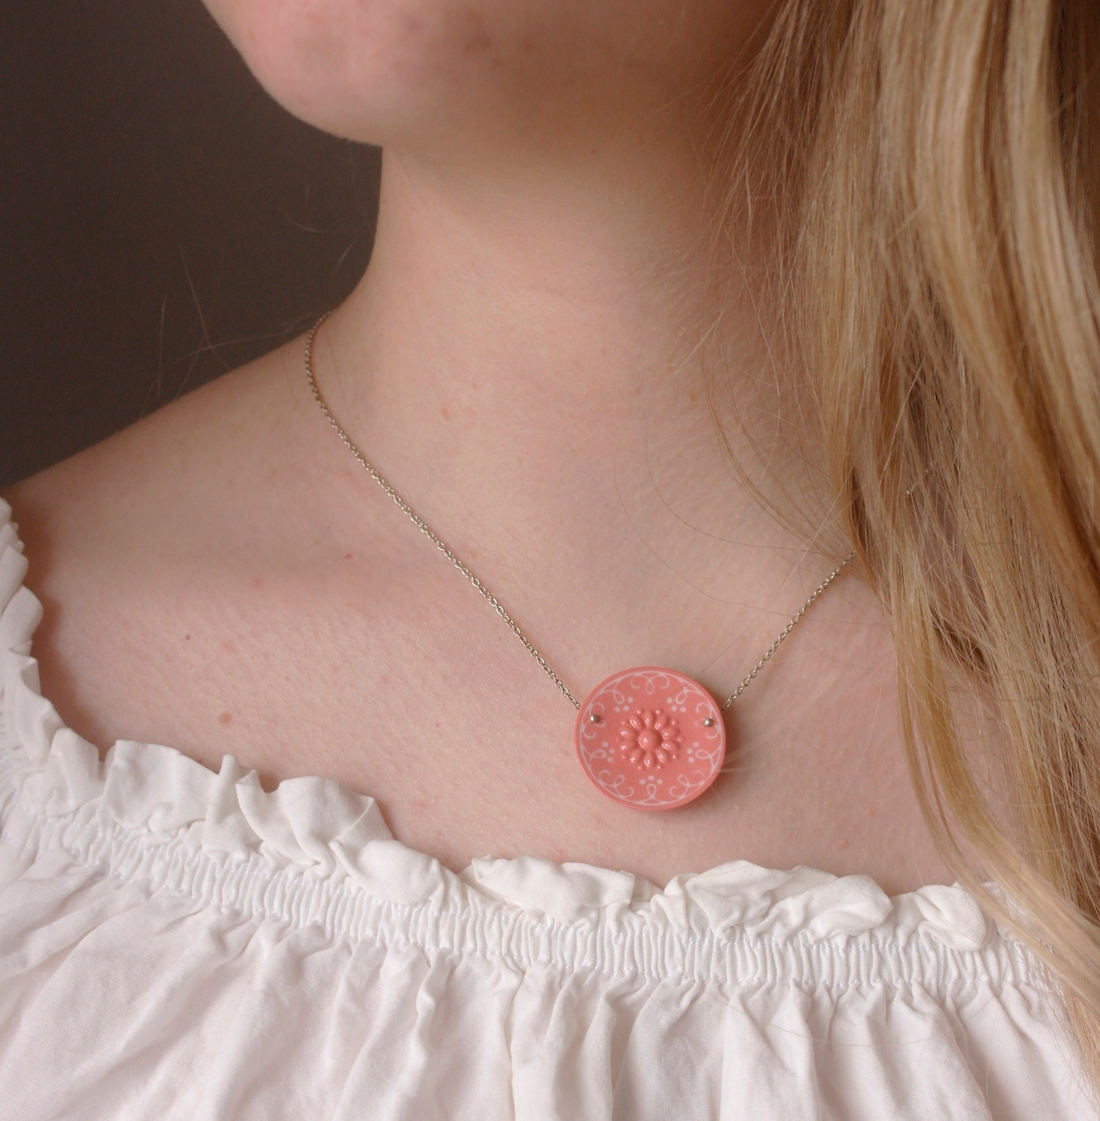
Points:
[(651, 738)]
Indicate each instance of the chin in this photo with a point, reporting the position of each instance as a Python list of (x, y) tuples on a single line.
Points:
[(371, 70)]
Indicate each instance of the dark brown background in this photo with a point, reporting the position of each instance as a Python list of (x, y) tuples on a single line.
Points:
[(161, 219)]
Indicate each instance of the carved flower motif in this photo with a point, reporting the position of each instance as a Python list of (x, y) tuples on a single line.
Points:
[(650, 738)]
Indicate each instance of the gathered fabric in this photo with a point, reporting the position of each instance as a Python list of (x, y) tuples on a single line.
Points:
[(179, 943)]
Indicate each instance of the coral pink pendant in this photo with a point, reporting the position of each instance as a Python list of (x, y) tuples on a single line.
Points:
[(651, 738)]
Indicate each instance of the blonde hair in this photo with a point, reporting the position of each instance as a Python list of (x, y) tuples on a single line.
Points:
[(941, 194)]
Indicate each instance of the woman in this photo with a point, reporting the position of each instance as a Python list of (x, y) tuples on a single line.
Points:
[(670, 311)]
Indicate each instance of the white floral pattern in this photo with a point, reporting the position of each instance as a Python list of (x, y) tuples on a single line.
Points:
[(619, 749)]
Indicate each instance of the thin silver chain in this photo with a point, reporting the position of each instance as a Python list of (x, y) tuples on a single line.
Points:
[(495, 603), (787, 630)]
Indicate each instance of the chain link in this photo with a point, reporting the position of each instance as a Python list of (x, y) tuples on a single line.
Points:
[(787, 630), (495, 603)]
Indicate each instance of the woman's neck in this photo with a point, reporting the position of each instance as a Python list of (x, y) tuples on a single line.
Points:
[(526, 359)]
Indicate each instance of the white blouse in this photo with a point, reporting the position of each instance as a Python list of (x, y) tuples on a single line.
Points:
[(176, 943)]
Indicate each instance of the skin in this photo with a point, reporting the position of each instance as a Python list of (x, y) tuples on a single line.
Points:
[(522, 361)]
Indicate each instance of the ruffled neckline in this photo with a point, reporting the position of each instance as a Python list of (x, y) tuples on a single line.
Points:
[(320, 832)]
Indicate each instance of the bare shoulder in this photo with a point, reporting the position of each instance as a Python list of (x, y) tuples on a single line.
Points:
[(156, 465), (140, 546)]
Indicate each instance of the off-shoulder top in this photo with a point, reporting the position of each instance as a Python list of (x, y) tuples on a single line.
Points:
[(179, 943)]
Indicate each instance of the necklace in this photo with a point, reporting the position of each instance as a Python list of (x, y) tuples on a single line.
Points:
[(650, 738)]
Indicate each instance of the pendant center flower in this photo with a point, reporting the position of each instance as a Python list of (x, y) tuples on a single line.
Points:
[(650, 738)]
